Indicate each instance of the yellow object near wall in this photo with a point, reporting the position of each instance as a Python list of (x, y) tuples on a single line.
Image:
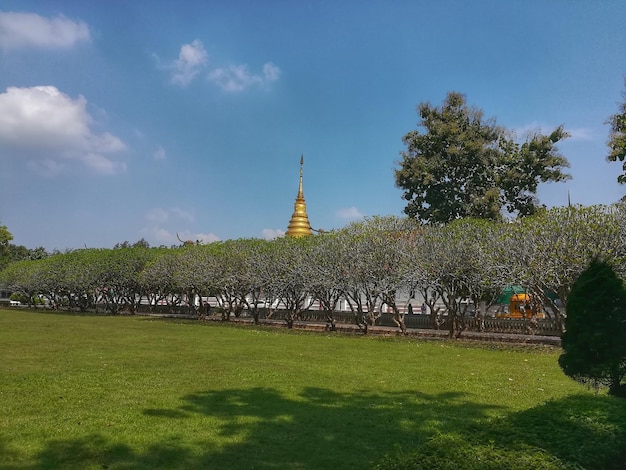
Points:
[(520, 306)]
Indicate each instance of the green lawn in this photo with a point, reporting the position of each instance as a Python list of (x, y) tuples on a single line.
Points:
[(106, 392)]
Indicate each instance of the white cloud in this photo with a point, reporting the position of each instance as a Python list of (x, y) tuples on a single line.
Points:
[(235, 78), (160, 154), (191, 59), (103, 165), (31, 30), (349, 213), (44, 125), (162, 235), (270, 233)]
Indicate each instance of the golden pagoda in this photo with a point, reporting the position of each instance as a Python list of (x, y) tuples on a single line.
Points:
[(299, 225)]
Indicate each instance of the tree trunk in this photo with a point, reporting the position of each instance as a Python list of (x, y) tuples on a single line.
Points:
[(461, 325), (360, 322), (398, 319), (330, 321)]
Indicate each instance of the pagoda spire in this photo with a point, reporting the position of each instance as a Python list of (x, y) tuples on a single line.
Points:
[(299, 224), (300, 192)]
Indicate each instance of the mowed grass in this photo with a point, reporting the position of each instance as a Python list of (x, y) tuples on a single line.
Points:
[(103, 392)]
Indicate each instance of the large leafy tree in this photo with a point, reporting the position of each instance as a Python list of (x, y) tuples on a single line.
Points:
[(617, 138), (594, 342), (464, 165)]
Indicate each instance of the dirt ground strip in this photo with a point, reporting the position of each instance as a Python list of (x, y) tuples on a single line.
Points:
[(424, 333), (387, 331)]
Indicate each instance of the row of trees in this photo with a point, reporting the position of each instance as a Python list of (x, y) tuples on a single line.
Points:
[(10, 252), (367, 264)]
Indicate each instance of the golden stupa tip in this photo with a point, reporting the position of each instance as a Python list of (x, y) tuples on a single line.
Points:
[(299, 224)]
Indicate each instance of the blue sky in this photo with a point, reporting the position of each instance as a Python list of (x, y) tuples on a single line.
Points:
[(124, 120)]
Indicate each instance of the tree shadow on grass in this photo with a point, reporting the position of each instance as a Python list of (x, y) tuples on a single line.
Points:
[(576, 432), (324, 429), (95, 451), (262, 428), (580, 430)]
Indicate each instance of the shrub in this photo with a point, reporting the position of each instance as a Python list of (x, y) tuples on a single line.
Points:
[(594, 342)]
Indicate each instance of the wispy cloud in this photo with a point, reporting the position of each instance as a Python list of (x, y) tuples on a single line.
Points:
[(192, 58), (582, 133), (236, 78), (18, 30), (576, 134), (183, 214), (159, 154), (48, 128), (349, 213), (157, 215), (103, 165), (160, 215), (271, 234), (528, 130)]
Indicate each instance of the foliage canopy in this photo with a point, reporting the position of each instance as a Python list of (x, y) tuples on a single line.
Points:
[(464, 165)]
